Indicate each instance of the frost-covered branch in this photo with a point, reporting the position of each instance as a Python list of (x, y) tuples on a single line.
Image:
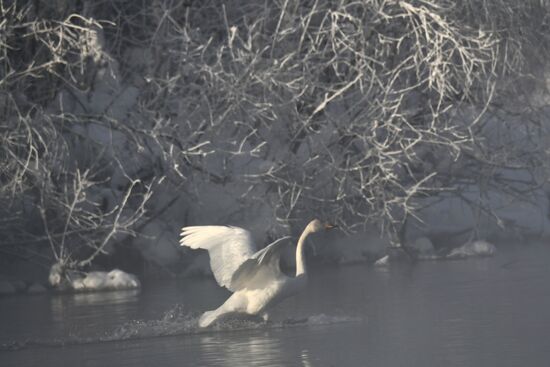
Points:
[(353, 111)]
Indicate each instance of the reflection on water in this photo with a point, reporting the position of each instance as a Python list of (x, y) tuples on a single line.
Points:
[(66, 308), (305, 358), (239, 353), (479, 312), (112, 297)]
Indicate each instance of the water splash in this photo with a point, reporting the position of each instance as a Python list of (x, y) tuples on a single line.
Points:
[(323, 319), (176, 322)]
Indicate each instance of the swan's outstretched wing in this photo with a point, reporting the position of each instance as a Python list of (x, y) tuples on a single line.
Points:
[(261, 268), (228, 248)]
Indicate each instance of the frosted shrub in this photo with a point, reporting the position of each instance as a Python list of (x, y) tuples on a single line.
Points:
[(349, 110), (58, 199)]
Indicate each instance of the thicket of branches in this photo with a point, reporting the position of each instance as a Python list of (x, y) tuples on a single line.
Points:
[(349, 110), (56, 185)]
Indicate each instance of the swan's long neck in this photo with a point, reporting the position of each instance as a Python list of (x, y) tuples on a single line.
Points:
[(300, 253)]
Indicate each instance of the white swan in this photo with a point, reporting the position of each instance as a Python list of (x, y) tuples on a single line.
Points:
[(253, 276)]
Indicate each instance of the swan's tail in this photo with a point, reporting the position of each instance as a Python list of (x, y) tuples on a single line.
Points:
[(208, 318)]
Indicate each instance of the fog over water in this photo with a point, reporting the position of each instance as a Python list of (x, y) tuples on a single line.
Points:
[(476, 312)]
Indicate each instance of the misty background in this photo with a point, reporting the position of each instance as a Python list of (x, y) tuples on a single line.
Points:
[(419, 125)]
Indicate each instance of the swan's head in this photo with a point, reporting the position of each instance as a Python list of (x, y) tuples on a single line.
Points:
[(317, 226)]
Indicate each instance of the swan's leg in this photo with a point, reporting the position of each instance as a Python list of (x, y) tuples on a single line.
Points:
[(236, 303), (209, 317)]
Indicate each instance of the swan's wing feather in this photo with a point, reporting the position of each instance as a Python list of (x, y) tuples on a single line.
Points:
[(260, 268), (228, 248)]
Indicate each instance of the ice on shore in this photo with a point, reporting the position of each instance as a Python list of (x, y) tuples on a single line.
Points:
[(475, 248), (92, 281), (102, 280)]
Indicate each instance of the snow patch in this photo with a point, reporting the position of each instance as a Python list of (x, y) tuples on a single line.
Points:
[(475, 248), (383, 261), (101, 280), (92, 281)]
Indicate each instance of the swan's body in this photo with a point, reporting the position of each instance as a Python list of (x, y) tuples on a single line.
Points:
[(254, 277)]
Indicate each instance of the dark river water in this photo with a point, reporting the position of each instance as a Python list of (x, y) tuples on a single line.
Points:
[(477, 312)]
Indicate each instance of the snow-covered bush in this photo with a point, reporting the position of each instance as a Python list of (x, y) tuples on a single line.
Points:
[(65, 185), (263, 114), (353, 111)]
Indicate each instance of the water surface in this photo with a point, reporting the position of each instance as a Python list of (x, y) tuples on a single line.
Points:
[(476, 312)]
